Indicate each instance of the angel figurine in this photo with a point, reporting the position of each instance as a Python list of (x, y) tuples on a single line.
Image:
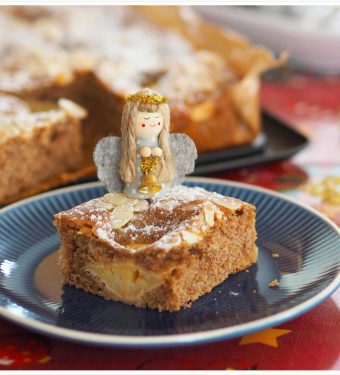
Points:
[(146, 160)]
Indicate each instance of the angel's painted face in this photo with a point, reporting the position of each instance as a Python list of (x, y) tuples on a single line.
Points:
[(148, 124)]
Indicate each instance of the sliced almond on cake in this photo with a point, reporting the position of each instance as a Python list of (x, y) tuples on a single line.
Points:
[(72, 109), (116, 198), (121, 215), (209, 215), (140, 205), (191, 237), (230, 203)]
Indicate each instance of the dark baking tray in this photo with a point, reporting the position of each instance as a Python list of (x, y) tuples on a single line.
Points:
[(278, 141)]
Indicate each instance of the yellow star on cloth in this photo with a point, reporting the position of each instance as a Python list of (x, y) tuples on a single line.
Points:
[(267, 337)]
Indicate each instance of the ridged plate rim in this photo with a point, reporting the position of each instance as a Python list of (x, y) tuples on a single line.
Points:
[(186, 338)]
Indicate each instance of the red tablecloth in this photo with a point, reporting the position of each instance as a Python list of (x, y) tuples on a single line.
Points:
[(311, 341)]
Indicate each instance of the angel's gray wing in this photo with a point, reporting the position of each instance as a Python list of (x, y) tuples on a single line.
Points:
[(106, 157), (184, 152)]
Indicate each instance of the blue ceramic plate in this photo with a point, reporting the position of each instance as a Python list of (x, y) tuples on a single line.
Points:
[(31, 293)]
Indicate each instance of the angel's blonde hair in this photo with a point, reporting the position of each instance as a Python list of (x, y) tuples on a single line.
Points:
[(128, 156)]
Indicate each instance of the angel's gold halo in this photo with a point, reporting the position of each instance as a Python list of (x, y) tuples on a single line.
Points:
[(147, 99)]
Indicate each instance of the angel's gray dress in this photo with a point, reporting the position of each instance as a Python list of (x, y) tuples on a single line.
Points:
[(131, 188), (108, 152)]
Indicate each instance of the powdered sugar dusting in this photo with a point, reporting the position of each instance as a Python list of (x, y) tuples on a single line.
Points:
[(182, 194), (166, 231), (15, 121)]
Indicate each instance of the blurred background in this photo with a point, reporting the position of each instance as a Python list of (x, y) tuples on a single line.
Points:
[(304, 94), (311, 34)]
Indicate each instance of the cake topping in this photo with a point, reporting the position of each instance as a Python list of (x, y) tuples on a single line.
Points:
[(191, 237), (18, 119), (121, 215), (140, 205), (72, 109), (209, 215), (160, 222), (69, 40), (10, 105), (116, 198)]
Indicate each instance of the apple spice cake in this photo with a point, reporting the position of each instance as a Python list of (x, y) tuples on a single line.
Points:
[(163, 253), (210, 77), (38, 142)]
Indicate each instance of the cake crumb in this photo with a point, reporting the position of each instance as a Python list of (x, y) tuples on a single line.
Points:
[(275, 255), (274, 283), (233, 293), (247, 270)]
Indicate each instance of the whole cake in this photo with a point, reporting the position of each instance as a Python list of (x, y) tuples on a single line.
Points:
[(150, 241), (94, 56)]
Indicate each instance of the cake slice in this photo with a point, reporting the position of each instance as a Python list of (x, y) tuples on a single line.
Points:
[(163, 253), (38, 142)]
